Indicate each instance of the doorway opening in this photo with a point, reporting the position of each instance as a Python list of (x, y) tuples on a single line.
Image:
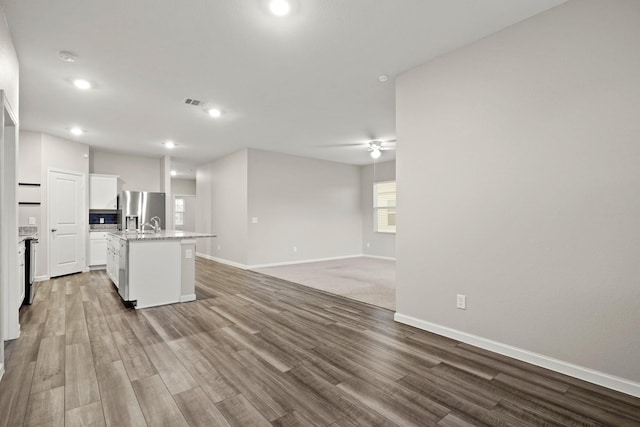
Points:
[(184, 212)]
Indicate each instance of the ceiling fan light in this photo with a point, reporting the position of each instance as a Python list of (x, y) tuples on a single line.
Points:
[(279, 7), (375, 153), (82, 84)]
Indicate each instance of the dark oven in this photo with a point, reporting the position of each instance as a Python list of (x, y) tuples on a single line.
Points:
[(30, 246)]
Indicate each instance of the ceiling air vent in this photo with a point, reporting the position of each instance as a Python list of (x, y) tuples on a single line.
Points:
[(193, 102)]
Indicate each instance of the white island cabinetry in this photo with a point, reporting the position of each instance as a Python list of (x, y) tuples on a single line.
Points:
[(113, 257), (154, 268)]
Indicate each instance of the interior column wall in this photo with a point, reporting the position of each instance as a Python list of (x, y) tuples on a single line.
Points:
[(518, 185), (9, 83), (221, 197)]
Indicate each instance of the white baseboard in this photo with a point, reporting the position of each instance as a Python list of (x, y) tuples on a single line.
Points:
[(275, 264), (97, 267), (304, 261), (590, 375), (41, 278), (1, 368), (388, 258), (187, 298), (222, 261)]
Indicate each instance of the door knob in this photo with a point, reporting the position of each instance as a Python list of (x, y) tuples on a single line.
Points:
[(53, 230)]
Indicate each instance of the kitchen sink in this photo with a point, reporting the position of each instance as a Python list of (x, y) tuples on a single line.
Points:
[(137, 233)]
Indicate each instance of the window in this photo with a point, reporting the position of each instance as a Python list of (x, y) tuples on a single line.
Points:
[(179, 211), (384, 207)]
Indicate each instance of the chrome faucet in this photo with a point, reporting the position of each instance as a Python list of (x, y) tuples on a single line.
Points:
[(155, 226), (156, 222), (146, 224)]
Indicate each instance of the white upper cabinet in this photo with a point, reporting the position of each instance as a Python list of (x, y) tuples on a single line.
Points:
[(103, 191)]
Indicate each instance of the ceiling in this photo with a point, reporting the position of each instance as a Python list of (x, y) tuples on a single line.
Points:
[(302, 84)]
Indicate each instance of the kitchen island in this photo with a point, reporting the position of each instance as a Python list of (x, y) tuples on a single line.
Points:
[(153, 268)]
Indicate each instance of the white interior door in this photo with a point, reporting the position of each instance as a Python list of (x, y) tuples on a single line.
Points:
[(66, 223)]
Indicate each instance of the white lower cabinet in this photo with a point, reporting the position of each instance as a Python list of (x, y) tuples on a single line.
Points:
[(97, 248)]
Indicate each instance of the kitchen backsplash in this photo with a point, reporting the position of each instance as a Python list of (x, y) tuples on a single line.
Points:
[(107, 218)]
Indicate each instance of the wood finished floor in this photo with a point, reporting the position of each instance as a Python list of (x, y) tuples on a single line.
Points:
[(258, 351)]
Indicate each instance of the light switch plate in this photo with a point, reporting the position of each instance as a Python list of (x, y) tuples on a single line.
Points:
[(32, 220), (461, 301), (254, 220), (188, 254)]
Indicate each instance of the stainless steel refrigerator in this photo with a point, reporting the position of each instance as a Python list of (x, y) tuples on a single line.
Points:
[(138, 207)]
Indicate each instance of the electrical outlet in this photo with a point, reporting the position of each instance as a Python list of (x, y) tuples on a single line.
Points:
[(254, 220), (32, 220), (368, 244), (461, 301), (295, 249), (188, 254), (101, 220), (219, 247)]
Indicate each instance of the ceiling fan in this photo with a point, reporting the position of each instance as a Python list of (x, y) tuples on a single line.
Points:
[(376, 147)]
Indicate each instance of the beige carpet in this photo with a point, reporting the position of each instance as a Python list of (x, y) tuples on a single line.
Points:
[(364, 279)]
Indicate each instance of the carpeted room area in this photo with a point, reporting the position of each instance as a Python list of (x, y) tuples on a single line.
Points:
[(370, 280)]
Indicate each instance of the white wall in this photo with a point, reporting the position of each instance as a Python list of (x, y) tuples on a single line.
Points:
[(373, 243), (518, 185), (137, 173), (222, 207), (9, 69), (183, 186), (311, 204), (66, 156), (30, 171), (29, 162)]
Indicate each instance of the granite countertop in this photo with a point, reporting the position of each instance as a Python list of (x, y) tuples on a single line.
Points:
[(27, 232), (103, 227), (162, 235)]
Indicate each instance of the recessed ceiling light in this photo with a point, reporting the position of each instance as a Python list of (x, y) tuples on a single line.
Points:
[(383, 78), (279, 7), (169, 144), (77, 131), (174, 173), (82, 84), (67, 56), (214, 112)]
